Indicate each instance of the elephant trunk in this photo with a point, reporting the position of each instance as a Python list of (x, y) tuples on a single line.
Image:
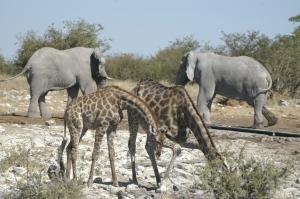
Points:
[(181, 76), (100, 82), (181, 79)]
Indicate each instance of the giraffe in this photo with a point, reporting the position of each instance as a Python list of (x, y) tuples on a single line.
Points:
[(175, 110), (102, 111)]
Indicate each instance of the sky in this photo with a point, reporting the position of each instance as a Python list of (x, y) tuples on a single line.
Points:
[(144, 27)]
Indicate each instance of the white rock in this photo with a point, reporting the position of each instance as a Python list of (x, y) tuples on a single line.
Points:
[(132, 187), (8, 105), (2, 129), (3, 155), (283, 102), (18, 170), (50, 122), (37, 142)]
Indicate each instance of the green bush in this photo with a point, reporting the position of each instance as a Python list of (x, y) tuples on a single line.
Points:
[(36, 189), (73, 34), (251, 179), (31, 185), (7, 67), (162, 66)]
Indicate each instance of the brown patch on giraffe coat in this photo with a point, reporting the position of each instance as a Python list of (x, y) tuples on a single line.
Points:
[(112, 100), (99, 105), (152, 104), (148, 98), (103, 113), (164, 102)]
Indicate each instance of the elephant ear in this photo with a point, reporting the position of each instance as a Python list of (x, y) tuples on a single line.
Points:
[(98, 55), (191, 64)]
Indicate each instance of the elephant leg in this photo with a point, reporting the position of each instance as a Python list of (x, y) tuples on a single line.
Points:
[(72, 93), (209, 103), (34, 98), (259, 102), (204, 101), (42, 106), (272, 119)]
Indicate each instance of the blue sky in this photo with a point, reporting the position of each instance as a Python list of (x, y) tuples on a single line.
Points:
[(143, 27)]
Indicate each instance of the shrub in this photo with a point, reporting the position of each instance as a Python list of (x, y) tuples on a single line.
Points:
[(17, 157), (250, 178), (36, 189), (32, 186)]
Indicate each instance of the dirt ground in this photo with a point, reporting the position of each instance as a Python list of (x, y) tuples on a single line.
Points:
[(14, 100), (242, 116)]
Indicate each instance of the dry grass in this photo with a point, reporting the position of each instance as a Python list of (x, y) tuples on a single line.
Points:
[(19, 83)]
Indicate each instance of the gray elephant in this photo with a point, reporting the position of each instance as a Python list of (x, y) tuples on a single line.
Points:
[(50, 69), (241, 78)]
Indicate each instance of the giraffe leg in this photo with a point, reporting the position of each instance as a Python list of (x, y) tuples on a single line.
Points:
[(133, 130), (111, 152), (150, 144), (72, 151), (95, 155)]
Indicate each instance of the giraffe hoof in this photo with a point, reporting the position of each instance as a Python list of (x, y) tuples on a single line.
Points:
[(115, 184), (89, 183), (134, 181)]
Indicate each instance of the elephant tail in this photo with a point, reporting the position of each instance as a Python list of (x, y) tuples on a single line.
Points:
[(263, 90), (25, 69)]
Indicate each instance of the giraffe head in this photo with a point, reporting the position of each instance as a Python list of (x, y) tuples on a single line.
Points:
[(158, 136)]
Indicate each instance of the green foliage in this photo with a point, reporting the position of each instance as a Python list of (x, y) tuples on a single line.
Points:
[(34, 188), (7, 67), (295, 18), (252, 44), (128, 66), (250, 178), (162, 66), (74, 33)]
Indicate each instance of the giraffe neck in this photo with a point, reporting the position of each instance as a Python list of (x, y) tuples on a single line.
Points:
[(200, 130), (129, 101)]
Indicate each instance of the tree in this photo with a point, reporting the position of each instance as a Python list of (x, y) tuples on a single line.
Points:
[(295, 18), (74, 33), (253, 44), (167, 60)]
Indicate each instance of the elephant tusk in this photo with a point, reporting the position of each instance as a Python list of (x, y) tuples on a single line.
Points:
[(109, 78)]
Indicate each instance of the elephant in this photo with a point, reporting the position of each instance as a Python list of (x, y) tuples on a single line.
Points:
[(242, 78), (49, 69)]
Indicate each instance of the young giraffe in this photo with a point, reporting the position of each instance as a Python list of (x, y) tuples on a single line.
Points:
[(102, 111), (175, 110)]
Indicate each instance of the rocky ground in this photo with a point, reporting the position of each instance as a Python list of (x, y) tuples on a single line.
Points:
[(41, 141)]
